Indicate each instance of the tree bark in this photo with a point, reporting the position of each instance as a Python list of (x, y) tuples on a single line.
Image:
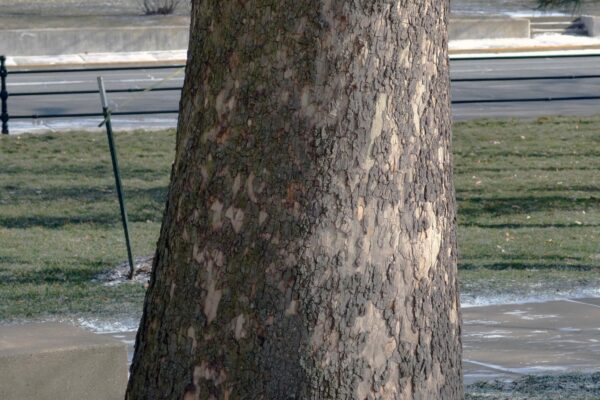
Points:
[(308, 247)]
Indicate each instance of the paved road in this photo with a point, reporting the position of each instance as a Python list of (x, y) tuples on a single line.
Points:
[(525, 89), (90, 103), (460, 91)]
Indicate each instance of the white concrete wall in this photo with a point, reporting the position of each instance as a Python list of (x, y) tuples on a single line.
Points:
[(488, 28), (58, 41), (592, 25)]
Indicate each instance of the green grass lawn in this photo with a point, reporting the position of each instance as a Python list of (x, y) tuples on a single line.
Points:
[(529, 213), (60, 224), (529, 205)]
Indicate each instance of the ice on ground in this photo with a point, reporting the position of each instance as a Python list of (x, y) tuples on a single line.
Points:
[(520, 371), (99, 58), (91, 124), (480, 322), (569, 329), (496, 334), (546, 40), (98, 325), (479, 300)]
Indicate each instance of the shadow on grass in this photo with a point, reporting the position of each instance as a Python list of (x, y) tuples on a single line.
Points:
[(524, 265), (94, 171), (86, 193), (104, 219), (526, 225), (142, 205), (474, 169), (8, 260), (566, 188), (51, 222), (470, 207), (13, 276)]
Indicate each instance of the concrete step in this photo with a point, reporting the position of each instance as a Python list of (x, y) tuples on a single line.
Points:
[(558, 25), (553, 19), (572, 32), (47, 361), (558, 30)]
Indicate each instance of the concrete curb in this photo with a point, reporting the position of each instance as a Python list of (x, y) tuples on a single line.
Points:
[(46, 361), (99, 59), (180, 57), (488, 28), (57, 41), (524, 49)]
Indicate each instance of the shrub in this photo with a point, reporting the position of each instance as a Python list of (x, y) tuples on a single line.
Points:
[(159, 7)]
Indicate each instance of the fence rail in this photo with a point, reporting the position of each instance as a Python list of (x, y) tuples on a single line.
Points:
[(89, 115), (58, 93), (95, 69), (5, 95)]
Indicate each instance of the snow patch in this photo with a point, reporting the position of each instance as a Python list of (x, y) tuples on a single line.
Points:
[(545, 40), (98, 325), (520, 371), (468, 301)]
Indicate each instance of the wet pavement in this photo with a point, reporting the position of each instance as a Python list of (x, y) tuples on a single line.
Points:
[(510, 341)]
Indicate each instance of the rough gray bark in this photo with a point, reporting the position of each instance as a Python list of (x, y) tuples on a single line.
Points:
[(308, 249)]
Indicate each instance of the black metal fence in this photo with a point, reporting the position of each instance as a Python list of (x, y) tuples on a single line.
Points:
[(5, 117)]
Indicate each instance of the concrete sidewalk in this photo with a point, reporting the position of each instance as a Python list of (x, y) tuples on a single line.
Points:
[(99, 59), (84, 60), (170, 57), (510, 341)]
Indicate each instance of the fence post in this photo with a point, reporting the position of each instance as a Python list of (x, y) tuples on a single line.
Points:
[(117, 173), (4, 95)]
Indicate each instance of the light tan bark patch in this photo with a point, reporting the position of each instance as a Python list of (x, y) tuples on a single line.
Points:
[(262, 217), (239, 330), (237, 183), (211, 303), (292, 308), (250, 188), (417, 106), (379, 346), (376, 128), (217, 217), (191, 334), (428, 247), (236, 217)]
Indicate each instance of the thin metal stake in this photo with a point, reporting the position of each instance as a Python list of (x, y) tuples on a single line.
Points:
[(115, 164), (3, 95)]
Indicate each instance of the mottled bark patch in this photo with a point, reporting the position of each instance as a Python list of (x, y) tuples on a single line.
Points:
[(308, 247)]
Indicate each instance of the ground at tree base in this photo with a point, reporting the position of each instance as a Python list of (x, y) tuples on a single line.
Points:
[(560, 387), (120, 274)]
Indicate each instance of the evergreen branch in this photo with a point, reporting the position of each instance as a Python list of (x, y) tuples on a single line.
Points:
[(572, 5)]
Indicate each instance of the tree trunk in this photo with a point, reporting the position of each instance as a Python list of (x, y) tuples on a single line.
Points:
[(308, 248)]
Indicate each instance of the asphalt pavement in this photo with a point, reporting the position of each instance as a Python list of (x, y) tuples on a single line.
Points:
[(41, 105), (169, 100), (525, 89)]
